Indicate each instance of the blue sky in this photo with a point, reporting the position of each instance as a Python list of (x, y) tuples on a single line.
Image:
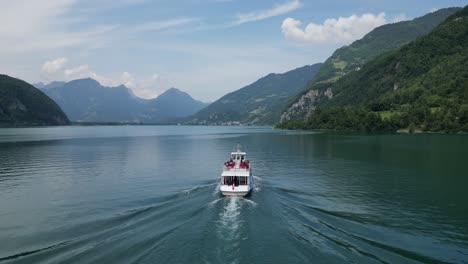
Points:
[(205, 47)]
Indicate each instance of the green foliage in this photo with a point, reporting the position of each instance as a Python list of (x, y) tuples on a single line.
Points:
[(260, 102), (448, 118), (423, 85), (346, 119), (380, 40), (22, 104)]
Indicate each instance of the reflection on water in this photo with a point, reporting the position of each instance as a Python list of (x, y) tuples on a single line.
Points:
[(150, 194)]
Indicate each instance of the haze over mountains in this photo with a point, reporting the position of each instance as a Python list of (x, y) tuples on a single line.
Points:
[(52, 84), (87, 100), (399, 75)]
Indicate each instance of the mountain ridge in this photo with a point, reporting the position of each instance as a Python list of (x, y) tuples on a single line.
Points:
[(87, 100), (21, 104), (423, 85), (260, 102), (350, 58)]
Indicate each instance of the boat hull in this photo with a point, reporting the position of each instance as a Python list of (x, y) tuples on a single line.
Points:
[(240, 191), (237, 194)]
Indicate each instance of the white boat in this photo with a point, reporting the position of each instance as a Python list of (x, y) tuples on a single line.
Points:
[(236, 178)]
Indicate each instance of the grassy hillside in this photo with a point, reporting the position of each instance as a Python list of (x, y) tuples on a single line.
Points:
[(260, 102), (423, 85), (351, 58), (21, 104)]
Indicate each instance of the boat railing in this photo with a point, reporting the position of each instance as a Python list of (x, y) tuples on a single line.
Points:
[(235, 169)]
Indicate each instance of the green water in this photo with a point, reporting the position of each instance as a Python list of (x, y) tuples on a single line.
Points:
[(149, 194)]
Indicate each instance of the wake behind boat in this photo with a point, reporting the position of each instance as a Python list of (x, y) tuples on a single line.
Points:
[(236, 178)]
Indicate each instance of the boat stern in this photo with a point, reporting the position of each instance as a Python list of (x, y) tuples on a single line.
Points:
[(229, 190)]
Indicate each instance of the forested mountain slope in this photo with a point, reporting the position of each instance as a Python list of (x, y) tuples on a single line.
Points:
[(423, 85), (21, 104), (351, 58)]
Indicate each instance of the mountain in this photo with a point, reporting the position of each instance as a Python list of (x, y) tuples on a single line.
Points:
[(351, 58), (23, 104), (170, 105), (38, 85), (260, 102), (423, 85), (87, 100), (53, 84)]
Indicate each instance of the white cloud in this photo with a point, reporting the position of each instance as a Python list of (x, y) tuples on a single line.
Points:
[(161, 25), (83, 71), (230, 66), (79, 72), (399, 18), (146, 87), (264, 14), (44, 26), (341, 30), (119, 3), (37, 16), (153, 86), (54, 66), (127, 80)]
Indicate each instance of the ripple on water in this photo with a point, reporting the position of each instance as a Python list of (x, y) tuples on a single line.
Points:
[(230, 227), (229, 219)]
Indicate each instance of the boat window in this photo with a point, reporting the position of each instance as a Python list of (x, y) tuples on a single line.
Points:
[(242, 180), (236, 180)]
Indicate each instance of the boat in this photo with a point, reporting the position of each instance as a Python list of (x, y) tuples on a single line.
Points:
[(236, 178)]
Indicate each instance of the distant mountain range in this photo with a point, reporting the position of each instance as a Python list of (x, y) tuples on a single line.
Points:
[(87, 100), (351, 58), (260, 102), (265, 101), (421, 86), (53, 84), (407, 75), (21, 104)]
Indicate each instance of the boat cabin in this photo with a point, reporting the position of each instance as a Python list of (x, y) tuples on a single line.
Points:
[(237, 161), (238, 156), (235, 180)]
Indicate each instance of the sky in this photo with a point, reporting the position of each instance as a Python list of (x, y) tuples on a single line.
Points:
[(205, 47)]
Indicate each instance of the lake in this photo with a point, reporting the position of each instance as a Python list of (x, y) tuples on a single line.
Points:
[(149, 194)]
